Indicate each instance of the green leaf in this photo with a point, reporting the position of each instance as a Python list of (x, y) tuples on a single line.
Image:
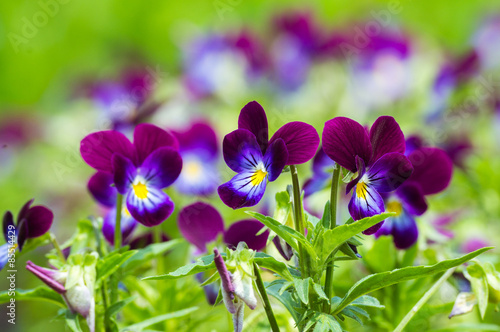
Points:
[(150, 252), (346, 249), (285, 298), (41, 293), (479, 283), (302, 289), (325, 220), (384, 279), (324, 323), (73, 322), (269, 262), (202, 264), (320, 292), (367, 301), (470, 327), (112, 262), (334, 238), (117, 306), (286, 233), (158, 319)]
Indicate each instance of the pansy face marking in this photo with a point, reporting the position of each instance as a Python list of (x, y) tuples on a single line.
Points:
[(259, 175), (140, 188)]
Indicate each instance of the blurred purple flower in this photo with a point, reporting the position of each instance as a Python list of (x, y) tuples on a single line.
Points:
[(432, 171), (140, 170), (486, 42), (377, 157), (322, 168), (249, 152), (201, 224), (473, 244), (199, 149)]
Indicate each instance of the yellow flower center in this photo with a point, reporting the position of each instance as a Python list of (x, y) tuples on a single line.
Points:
[(258, 177), (125, 210), (361, 190), (394, 206), (193, 169), (140, 190)]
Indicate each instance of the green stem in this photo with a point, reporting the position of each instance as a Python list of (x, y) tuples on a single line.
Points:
[(265, 299), (298, 220), (56, 246), (423, 300), (333, 223), (118, 228)]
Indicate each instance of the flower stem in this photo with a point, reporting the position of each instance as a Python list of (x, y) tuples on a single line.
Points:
[(298, 220), (265, 299), (118, 228), (423, 300), (333, 223), (56, 246)]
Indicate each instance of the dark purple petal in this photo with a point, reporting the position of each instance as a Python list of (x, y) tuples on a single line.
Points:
[(241, 151), (162, 167), (245, 231), (243, 190), (200, 224), (199, 137), (127, 225), (8, 225), (343, 140), (385, 229), (432, 169), (24, 210), (360, 166), (45, 275), (275, 159), (366, 202), (101, 187), (404, 231), (22, 235), (386, 137), (412, 143), (124, 173), (98, 148), (283, 248), (253, 118), (153, 209), (38, 219), (148, 137), (389, 172), (301, 140), (413, 198), (322, 164)]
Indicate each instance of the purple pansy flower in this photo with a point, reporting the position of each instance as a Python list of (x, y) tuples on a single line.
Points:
[(200, 224), (432, 171), (199, 149), (140, 170), (377, 157), (322, 168), (32, 222), (102, 189), (249, 152), (125, 102)]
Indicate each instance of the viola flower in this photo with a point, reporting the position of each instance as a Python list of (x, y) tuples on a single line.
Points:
[(432, 171), (256, 159), (140, 170), (380, 71), (322, 172), (377, 156), (125, 102), (201, 224), (198, 147), (32, 222), (102, 189)]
